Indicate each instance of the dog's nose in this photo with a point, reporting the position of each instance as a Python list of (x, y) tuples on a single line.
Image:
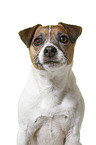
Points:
[(50, 51)]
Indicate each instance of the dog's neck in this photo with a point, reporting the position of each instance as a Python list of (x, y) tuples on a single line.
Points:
[(52, 85), (59, 79)]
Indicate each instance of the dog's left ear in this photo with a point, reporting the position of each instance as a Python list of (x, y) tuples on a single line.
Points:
[(26, 35), (73, 31)]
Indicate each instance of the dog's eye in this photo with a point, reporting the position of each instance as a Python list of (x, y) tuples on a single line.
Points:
[(38, 41), (64, 39)]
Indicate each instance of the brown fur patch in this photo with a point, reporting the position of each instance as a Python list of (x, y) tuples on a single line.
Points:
[(26, 35), (69, 52), (33, 53)]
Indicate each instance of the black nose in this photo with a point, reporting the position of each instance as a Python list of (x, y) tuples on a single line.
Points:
[(50, 51)]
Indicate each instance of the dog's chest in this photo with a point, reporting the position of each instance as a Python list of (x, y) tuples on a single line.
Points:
[(52, 128)]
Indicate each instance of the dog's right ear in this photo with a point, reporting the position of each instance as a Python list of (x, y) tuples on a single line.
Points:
[(26, 35), (73, 31)]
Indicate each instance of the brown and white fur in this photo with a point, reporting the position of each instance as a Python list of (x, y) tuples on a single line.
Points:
[(51, 107)]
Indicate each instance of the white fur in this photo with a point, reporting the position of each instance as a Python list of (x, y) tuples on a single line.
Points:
[(49, 32), (51, 107), (48, 98)]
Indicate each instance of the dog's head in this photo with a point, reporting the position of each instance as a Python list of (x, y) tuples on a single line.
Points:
[(51, 46)]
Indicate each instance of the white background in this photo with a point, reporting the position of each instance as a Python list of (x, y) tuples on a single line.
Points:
[(16, 15)]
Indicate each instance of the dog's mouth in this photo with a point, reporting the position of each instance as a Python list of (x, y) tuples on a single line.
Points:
[(48, 62), (51, 61)]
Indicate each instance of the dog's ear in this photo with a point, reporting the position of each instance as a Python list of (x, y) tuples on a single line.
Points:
[(73, 31), (26, 35)]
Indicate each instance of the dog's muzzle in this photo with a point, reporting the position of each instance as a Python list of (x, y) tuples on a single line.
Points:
[(50, 51), (50, 54)]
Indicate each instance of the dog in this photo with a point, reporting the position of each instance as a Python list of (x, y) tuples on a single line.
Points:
[(51, 107)]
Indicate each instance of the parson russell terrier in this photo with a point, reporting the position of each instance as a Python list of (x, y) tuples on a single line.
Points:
[(51, 107)]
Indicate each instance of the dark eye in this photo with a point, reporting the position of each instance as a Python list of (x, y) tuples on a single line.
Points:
[(64, 39), (38, 41)]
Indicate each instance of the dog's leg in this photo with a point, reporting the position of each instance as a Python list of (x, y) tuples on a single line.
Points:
[(22, 137), (72, 139)]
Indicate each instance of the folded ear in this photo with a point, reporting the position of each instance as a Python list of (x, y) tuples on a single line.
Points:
[(26, 35), (73, 31)]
